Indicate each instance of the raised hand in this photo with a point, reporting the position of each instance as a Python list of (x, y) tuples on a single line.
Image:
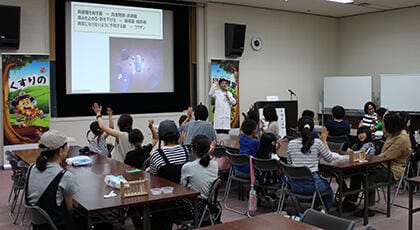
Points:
[(97, 108), (151, 122), (109, 111)]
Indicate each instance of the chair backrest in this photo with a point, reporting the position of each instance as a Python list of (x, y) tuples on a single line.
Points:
[(339, 139), (265, 165), (238, 159), (326, 221), (296, 172), (336, 146), (41, 215), (214, 192)]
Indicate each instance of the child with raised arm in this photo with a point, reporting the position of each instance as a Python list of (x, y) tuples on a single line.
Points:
[(139, 155), (125, 123), (97, 143)]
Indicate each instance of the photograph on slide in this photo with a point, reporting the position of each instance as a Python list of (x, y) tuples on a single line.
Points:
[(138, 65)]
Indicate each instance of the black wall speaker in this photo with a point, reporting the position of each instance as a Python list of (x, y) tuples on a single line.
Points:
[(234, 39), (9, 27)]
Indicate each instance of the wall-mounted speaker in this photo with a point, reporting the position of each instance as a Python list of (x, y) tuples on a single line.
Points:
[(9, 27), (234, 39)]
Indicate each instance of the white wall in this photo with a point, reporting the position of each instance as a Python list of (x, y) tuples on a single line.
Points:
[(298, 51), (381, 43)]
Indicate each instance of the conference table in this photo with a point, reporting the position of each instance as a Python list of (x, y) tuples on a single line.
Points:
[(339, 168), (412, 182), (271, 221), (90, 201)]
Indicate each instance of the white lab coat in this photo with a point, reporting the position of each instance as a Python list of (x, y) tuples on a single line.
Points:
[(222, 107)]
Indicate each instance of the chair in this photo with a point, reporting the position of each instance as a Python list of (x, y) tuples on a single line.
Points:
[(339, 139), (299, 173), (336, 146), (269, 166), (235, 160), (403, 179), (41, 215), (212, 210), (18, 179), (326, 221)]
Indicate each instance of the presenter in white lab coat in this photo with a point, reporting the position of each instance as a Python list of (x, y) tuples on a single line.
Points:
[(224, 102)]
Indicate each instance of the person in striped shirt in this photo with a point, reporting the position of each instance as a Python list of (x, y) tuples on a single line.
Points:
[(369, 119), (306, 151), (167, 160)]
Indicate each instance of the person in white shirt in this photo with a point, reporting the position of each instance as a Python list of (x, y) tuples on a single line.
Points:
[(224, 101)]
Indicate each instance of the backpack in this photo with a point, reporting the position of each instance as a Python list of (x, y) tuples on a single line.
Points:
[(170, 171)]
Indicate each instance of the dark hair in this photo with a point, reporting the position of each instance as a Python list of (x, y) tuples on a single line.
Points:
[(367, 105), (393, 123), (201, 113), (267, 146), (338, 112), (308, 113), (200, 144), (223, 80), (365, 129), (248, 126), (45, 156), (182, 118), (381, 112), (94, 128), (306, 133), (405, 117), (125, 122), (253, 115), (270, 113), (135, 137), (171, 137)]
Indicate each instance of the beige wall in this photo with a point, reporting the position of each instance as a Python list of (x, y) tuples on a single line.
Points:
[(298, 51), (381, 43)]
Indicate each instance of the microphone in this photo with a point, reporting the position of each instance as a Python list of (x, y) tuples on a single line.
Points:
[(291, 92)]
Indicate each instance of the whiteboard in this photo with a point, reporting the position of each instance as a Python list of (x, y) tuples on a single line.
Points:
[(400, 92), (351, 92)]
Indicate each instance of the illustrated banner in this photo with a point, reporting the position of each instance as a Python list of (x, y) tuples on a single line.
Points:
[(229, 70), (26, 99)]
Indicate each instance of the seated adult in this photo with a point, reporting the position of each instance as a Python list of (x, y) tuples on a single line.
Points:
[(397, 147), (369, 119), (338, 126), (49, 186), (199, 125), (167, 160)]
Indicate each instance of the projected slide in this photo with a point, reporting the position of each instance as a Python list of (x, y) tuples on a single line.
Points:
[(118, 49)]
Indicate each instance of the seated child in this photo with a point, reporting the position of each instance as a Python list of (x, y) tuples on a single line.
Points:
[(338, 126), (267, 150), (364, 141), (369, 119), (97, 144), (139, 155), (248, 144)]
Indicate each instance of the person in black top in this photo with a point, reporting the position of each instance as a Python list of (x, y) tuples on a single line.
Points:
[(338, 126), (139, 155)]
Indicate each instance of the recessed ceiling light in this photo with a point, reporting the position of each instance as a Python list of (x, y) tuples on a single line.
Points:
[(341, 1)]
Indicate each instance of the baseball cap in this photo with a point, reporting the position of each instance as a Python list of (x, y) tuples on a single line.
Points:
[(167, 126), (52, 140)]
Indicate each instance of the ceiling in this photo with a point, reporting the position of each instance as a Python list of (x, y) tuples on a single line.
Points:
[(323, 7)]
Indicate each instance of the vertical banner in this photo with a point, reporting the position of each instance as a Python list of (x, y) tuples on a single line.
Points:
[(228, 70), (26, 99)]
